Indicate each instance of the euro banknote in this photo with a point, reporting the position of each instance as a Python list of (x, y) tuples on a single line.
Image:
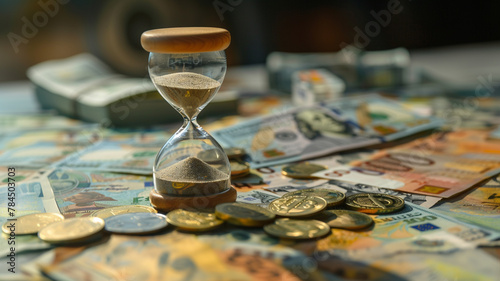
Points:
[(434, 175)]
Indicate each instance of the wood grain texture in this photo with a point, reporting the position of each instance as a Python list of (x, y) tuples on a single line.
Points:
[(166, 203), (179, 40)]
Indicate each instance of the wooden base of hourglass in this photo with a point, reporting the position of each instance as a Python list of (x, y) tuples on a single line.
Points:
[(166, 203)]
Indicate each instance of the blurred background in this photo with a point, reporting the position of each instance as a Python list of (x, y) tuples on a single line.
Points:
[(111, 29)]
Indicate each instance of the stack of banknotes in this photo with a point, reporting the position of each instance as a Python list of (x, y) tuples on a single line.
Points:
[(84, 87), (447, 176)]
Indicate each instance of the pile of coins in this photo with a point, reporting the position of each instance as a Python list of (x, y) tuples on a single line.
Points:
[(303, 214)]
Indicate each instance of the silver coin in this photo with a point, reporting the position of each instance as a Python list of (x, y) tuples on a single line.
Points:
[(136, 223)]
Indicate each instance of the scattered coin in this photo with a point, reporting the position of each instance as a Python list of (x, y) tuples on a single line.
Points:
[(136, 223), (31, 224), (333, 198), (210, 156), (302, 170), (118, 210), (71, 230), (344, 219), (234, 152), (374, 203), (239, 169), (297, 205), (193, 221), (244, 214), (297, 229)]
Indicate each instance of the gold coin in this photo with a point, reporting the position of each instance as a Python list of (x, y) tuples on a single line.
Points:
[(118, 210), (193, 221), (71, 230), (30, 224), (239, 169), (234, 152), (297, 229), (244, 214), (344, 219), (374, 203), (333, 198), (297, 205), (302, 170)]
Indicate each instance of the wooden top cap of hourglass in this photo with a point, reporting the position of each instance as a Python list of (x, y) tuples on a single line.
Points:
[(185, 40)]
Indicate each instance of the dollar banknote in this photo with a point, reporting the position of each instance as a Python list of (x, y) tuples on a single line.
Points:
[(79, 193), (258, 197), (307, 132), (479, 206)]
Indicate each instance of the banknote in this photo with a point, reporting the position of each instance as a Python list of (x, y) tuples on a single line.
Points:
[(413, 223), (22, 122), (441, 175), (132, 155), (467, 142), (272, 176), (479, 206), (380, 116), (307, 132), (39, 154), (259, 197), (176, 255), (293, 135), (464, 265), (79, 193), (29, 198)]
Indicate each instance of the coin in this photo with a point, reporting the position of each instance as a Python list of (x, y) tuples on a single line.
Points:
[(297, 229), (118, 210), (244, 214), (333, 198), (302, 170), (374, 203), (30, 224), (211, 156), (136, 223), (239, 169), (193, 221), (344, 219), (297, 205), (71, 230), (234, 152)]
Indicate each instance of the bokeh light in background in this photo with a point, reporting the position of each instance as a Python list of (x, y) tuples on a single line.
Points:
[(111, 29)]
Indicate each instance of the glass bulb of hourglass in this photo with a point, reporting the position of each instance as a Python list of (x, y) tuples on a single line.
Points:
[(187, 66)]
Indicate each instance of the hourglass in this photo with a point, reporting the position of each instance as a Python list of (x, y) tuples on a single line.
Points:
[(187, 66)]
